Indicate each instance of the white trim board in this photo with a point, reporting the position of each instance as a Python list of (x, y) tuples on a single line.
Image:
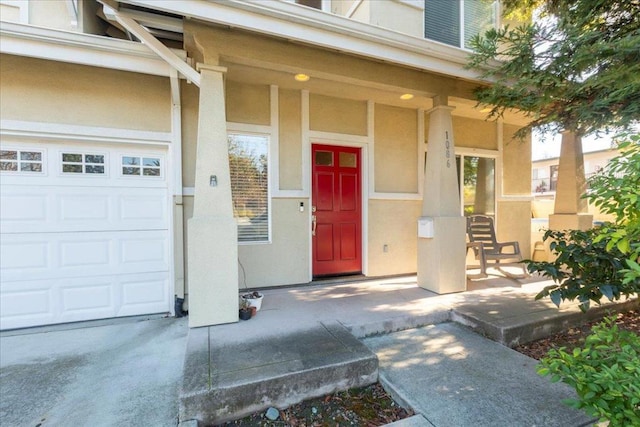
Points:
[(84, 49), (58, 131)]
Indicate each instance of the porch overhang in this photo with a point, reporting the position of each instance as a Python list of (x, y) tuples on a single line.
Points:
[(312, 27)]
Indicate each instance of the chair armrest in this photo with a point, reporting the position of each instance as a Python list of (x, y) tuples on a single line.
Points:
[(514, 245)]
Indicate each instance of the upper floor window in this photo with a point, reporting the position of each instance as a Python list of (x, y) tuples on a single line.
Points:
[(455, 22)]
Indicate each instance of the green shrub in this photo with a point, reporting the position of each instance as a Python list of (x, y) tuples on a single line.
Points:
[(605, 374), (585, 269)]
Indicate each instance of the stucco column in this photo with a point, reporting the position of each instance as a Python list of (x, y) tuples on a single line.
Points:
[(441, 258), (213, 240), (570, 210)]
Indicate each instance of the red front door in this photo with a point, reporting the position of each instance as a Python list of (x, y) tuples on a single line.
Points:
[(336, 210)]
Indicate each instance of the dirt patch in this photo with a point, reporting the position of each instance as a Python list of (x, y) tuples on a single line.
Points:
[(574, 337), (367, 406)]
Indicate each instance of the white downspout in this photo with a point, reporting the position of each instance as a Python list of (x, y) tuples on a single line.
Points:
[(178, 212)]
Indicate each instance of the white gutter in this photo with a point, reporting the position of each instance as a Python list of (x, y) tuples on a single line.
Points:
[(307, 25)]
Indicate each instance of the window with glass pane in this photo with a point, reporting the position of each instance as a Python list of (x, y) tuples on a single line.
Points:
[(455, 22), (479, 185), (21, 161), (479, 17), (248, 165), (83, 163)]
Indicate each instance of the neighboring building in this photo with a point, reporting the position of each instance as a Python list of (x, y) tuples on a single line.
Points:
[(243, 144), (544, 172)]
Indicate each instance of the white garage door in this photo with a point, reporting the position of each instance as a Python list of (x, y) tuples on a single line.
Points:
[(84, 232)]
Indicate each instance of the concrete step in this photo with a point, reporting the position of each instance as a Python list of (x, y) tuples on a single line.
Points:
[(454, 377), (512, 321), (223, 382)]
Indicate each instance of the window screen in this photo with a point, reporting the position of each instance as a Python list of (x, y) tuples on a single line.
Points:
[(442, 21)]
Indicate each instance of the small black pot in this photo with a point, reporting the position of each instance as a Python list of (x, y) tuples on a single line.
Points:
[(245, 314)]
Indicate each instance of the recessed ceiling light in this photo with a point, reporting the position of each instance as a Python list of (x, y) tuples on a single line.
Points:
[(301, 77), (486, 110), (406, 96)]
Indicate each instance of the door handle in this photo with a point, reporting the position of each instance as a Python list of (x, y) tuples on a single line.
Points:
[(314, 223)]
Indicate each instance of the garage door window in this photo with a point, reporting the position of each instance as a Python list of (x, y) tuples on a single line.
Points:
[(80, 163), (141, 166), (20, 161)]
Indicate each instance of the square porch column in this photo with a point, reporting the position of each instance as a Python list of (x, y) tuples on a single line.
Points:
[(213, 233), (441, 257), (570, 209)]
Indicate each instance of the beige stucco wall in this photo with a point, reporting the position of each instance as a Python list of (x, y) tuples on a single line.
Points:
[(54, 92), (470, 133), (516, 165), (514, 216), (396, 140), (398, 16), (362, 12), (9, 12), (285, 260), (247, 103), (514, 224), (189, 97), (399, 234), (473, 133), (330, 114), (290, 139), (341, 7), (52, 14)]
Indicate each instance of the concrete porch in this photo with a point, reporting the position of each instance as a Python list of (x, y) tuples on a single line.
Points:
[(305, 341)]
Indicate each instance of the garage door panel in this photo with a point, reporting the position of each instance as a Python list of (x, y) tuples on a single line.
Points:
[(148, 248), (18, 255), (29, 302), (39, 302), (89, 253), (85, 208), (19, 208), (65, 255), (54, 209), (93, 295), (147, 294), (147, 208), (78, 244)]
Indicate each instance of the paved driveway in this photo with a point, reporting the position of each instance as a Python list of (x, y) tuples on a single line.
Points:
[(123, 373)]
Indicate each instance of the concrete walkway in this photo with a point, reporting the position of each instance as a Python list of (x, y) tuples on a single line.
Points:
[(454, 377), (450, 375), (115, 373), (130, 371)]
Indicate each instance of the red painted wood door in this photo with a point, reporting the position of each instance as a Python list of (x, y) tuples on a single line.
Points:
[(336, 210)]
